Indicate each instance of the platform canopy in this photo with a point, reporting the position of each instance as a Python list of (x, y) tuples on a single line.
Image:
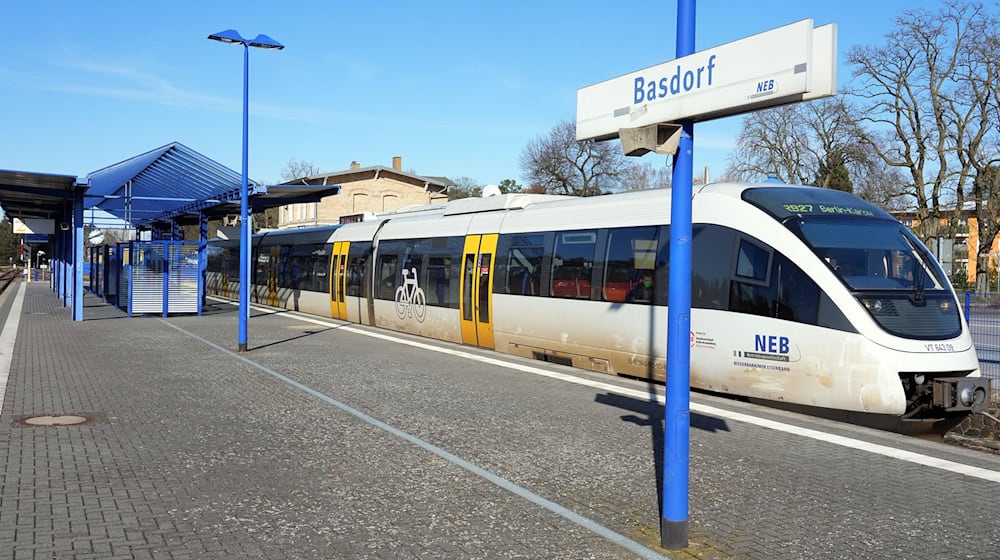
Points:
[(36, 195), (174, 182)]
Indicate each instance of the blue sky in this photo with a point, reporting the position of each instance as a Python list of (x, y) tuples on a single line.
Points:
[(454, 88)]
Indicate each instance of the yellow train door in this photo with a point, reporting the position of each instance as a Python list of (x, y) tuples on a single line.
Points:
[(476, 299), (338, 282)]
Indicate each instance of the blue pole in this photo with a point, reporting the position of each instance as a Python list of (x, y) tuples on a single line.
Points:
[(202, 259), (261, 41), (78, 259), (677, 414), (244, 211)]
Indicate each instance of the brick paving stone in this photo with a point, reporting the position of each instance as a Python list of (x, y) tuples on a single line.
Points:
[(193, 453)]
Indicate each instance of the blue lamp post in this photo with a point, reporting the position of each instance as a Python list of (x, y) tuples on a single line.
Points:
[(264, 42)]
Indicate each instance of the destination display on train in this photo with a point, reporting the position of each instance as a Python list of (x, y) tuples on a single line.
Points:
[(782, 202), (827, 209)]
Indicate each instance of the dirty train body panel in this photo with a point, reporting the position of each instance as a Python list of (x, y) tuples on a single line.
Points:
[(801, 295)]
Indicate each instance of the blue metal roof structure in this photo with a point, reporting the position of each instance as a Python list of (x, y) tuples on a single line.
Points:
[(25, 194), (173, 182), (150, 186)]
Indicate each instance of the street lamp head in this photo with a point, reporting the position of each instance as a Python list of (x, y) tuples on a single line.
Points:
[(228, 36), (265, 42), (261, 41)]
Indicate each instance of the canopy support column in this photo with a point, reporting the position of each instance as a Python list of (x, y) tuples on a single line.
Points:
[(202, 260), (78, 254)]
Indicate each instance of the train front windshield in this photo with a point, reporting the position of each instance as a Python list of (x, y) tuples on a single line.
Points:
[(880, 261), (876, 255)]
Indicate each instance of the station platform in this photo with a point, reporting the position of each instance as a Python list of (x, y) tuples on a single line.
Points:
[(328, 440)]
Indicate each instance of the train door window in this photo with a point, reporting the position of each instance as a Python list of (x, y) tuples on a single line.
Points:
[(629, 265), (485, 261), (573, 264), (334, 265), (470, 273), (519, 263)]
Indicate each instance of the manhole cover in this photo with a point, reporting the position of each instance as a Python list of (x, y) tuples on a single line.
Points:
[(55, 420)]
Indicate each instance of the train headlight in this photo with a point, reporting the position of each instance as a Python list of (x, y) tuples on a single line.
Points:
[(944, 306), (873, 305), (972, 397)]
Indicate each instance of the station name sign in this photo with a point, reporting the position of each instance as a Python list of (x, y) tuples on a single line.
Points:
[(28, 226), (788, 64)]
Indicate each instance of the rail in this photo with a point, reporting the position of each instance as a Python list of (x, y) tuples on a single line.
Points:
[(7, 275)]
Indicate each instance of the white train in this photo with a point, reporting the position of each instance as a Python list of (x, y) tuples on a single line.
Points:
[(800, 295)]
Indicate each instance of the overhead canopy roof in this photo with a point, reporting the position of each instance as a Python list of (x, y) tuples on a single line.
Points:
[(170, 182), (174, 181), (145, 187), (36, 195)]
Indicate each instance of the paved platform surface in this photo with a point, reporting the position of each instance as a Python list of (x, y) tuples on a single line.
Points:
[(334, 441)]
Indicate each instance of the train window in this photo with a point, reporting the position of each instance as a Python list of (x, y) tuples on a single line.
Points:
[(440, 279), (357, 255), (386, 275), (519, 263), (436, 262), (303, 267), (573, 264), (711, 262), (796, 295), (629, 265), (752, 261), (790, 294)]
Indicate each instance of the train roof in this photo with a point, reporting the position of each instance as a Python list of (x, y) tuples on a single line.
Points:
[(770, 197), (318, 234)]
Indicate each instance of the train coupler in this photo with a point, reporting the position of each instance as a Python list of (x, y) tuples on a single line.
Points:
[(957, 394)]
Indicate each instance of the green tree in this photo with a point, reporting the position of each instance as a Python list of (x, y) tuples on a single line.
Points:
[(833, 173), (10, 243), (508, 186)]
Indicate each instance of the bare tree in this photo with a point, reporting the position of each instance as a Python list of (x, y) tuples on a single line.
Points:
[(987, 193), (298, 169), (464, 187), (928, 86), (645, 175), (565, 166), (802, 143), (772, 142), (878, 182)]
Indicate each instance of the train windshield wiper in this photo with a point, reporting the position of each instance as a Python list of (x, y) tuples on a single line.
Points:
[(918, 281)]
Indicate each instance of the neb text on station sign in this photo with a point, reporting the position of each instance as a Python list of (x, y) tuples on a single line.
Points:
[(788, 64)]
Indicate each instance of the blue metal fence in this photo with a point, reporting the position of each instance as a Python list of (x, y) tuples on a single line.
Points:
[(982, 311)]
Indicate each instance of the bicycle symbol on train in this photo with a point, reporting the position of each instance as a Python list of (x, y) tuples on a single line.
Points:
[(410, 298)]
